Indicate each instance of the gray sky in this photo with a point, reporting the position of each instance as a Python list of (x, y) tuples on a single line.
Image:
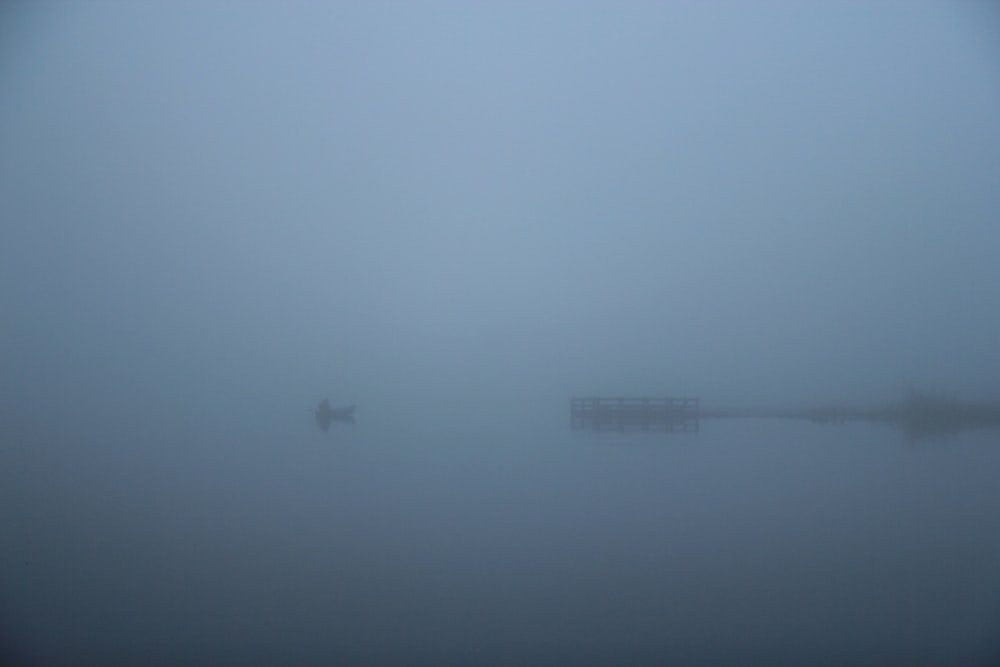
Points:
[(747, 203)]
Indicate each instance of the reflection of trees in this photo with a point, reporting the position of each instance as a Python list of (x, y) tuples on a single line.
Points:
[(924, 414)]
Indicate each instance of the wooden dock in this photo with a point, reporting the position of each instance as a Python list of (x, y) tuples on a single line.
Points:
[(664, 414)]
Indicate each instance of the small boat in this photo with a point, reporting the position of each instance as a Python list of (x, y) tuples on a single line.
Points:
[(325, 414)]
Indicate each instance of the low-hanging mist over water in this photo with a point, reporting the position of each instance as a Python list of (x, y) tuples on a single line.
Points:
[(456, 218)]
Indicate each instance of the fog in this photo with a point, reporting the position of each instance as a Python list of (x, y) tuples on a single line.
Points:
[(457, 217)]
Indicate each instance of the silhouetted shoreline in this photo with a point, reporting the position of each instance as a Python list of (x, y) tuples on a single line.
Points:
[(918, 413)]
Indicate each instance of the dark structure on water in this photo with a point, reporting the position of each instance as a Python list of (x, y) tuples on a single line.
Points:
[(326, 415), (665, 414)]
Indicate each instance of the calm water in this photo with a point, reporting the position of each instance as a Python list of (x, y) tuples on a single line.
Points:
[(405, 540)]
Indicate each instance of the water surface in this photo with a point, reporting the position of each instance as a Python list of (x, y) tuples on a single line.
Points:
[(409, 539)]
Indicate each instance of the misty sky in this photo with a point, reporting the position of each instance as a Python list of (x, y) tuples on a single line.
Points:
[(776, 202)]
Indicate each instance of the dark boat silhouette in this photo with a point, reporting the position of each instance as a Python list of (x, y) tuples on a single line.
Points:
[(325, 414)]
